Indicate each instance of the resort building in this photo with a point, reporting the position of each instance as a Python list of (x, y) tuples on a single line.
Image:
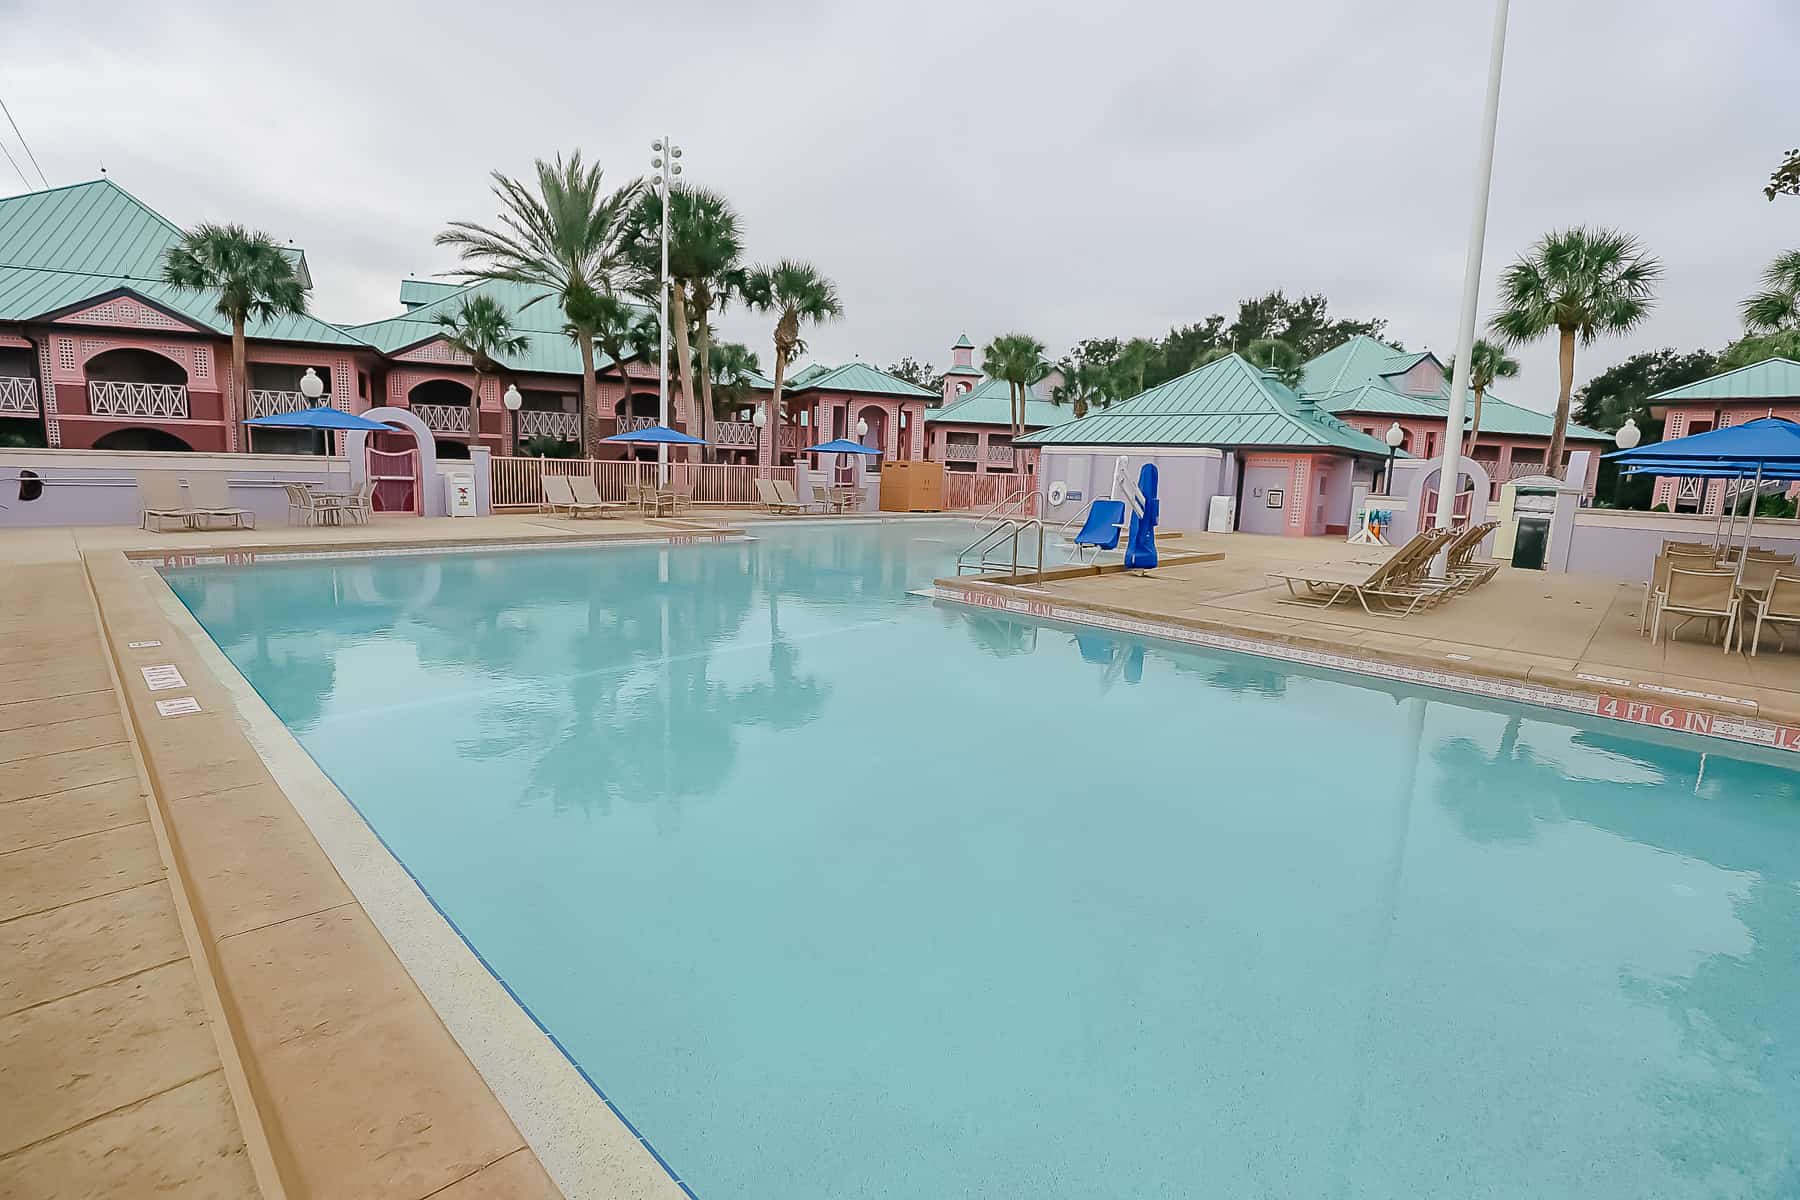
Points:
[(1770, 388), (97, 351), (1227, 429), (823, 403), (974, 432), (1373, 386), (962, 375)]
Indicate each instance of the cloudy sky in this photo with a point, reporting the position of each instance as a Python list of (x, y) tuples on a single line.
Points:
[(1066, 170)]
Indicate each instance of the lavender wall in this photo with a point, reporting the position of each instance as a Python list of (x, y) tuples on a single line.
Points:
[(1187, 480), (1620, 545), (98, 487)]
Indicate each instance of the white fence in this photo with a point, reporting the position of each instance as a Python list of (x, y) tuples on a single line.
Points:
[(268, 402), (18, 396), (109, 399), (517, 482), (550, 423), (443, 418)]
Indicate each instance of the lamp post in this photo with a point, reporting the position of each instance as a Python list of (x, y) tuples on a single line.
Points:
[(312, 388), (666, 169), (1394, 436), (513, 402), (1450, 469), (1627, 438)]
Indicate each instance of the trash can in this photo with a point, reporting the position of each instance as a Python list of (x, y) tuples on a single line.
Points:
[(1532, 541), (459, 493)]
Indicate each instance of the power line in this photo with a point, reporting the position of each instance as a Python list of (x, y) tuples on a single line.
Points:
[(20, 134), (23, 178)]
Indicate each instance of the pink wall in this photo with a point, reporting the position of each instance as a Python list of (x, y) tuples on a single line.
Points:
[(1496, 452)]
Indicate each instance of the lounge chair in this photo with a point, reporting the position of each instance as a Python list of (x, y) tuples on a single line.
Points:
[(559, 494), (1778, 605), (1393, 588), (788, 496), (210, 494), (586, 495), (159, 495), (1459, 557), (771, 500), (1692, 595), (1101, 531)]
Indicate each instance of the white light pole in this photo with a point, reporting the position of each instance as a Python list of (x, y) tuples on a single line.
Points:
[(1627, 438), (513, 402), (1450, 468), (667, 168), (312, 388), (1395, 435)]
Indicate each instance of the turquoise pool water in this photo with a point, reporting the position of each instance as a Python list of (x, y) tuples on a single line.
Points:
[(840, 893)]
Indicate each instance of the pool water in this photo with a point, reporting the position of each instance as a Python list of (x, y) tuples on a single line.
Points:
[(837, 892)]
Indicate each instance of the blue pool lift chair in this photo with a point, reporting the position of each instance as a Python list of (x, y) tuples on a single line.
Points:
[(1105, 523)]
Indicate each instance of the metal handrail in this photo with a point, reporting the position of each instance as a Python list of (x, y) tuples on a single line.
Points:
[(1004, 506), (990, 539)]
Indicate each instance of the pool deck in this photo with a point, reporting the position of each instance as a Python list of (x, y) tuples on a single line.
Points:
[(1573, 633), (192, 999)]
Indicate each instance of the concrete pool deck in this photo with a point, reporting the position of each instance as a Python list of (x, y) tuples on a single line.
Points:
[(1571, 633), (193, 997)]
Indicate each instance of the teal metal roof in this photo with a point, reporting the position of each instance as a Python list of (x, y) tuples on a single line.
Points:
[(1497, 416), (62, 247), (1770, 379), (414, 292), (1348, 365), (1226, 403), (962, 370), (963, 343), (1374, 398), (534, 312), (801, 376), (859, 377), (991, 404)]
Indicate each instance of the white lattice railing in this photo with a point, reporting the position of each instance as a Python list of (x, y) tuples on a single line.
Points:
[(443, 418), (109, 399), (962, 452), (267, 402), (734, 433), (18, 396), (549, 423), (633, 424)]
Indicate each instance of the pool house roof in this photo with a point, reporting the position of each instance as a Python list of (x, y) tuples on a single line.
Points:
[(1770, 379), (66, 247), (1227, 403), (857, 377), (989, 403)]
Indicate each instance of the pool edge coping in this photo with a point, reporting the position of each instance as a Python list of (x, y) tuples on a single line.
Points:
[(1672, 710)]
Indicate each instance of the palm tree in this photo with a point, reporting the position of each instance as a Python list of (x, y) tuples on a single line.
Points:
[(567, 237), (705, 252), (1581, 282), (1083, 385), (254, 278), (481, 328), (732, 368), (798, 295), (1133, 363), (1278, 357), (1487, 362), (1777, 309), (1017, 358), (620, 329)]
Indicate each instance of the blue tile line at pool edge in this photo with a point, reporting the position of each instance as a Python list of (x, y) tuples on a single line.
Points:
[(616, 1111)]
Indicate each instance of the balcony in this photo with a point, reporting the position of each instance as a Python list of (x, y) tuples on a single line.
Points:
[(269, 402), (152, 400), (633, 424), (547, 423), (962, 452), (999, 455), (735, 433), (443, 418), (18, 396)]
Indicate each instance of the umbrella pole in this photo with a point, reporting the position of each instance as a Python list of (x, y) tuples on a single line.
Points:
[(1749, 520)]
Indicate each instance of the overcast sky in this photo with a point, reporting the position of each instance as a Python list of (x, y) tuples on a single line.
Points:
[(1065, 170)]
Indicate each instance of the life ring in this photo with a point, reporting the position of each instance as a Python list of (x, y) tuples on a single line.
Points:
[(1058, 493)]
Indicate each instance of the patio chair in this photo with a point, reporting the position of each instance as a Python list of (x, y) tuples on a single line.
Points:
[(357, 505), (159, 496), (559, 494), (304, 507), (1779, 605), (1658, 584), (785, 491), (585, 494), (210, 494), (680, 497), (1697, 595)]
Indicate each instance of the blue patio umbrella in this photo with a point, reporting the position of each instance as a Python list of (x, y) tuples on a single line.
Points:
[(1140, 545), (840, 446), (656, 435), (319, 418)]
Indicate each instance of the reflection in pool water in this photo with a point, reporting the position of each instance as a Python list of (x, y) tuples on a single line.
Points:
[(840, 893)]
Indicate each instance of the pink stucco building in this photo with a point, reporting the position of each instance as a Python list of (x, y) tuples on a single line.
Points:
[(1770, 388)]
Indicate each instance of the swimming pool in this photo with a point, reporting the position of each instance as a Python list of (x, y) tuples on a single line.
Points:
[(838, 892)]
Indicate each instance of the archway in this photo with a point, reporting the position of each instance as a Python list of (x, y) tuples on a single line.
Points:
[(443, 404), (643, 408), (876, 438), (426, 497), (131, 365), (141, 439), (448, 449)]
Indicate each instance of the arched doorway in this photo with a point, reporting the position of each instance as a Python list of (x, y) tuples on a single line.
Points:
[(443, 404), (876, 438), (141, 439), (134, 366), (446, 448), (400, 463), (636, 411)]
